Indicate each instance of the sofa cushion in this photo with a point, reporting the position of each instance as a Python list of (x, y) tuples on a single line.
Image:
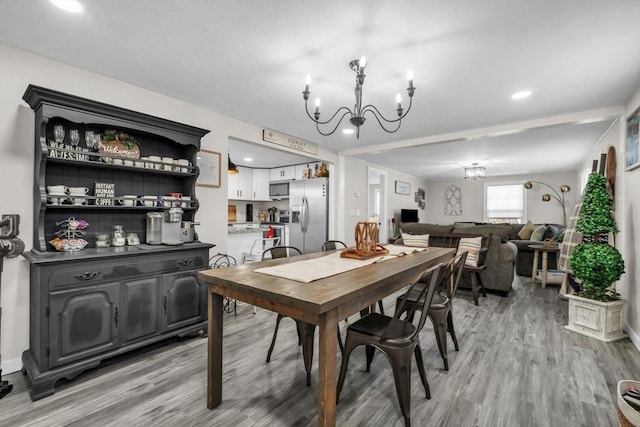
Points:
[(463, 224), (515, 229), (472, 246), (423, 228), (538, 234), (525, 233), (553, 230), (415, 240), (486, 230)]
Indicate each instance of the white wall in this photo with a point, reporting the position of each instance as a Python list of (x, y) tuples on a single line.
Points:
[(18, 69), (537, 211), (354, 198), (628, 217), (627, 206)]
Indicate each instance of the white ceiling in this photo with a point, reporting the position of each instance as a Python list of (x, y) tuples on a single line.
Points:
[(248, 60)]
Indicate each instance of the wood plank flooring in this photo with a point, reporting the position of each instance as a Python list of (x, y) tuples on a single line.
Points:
[(516, 366)]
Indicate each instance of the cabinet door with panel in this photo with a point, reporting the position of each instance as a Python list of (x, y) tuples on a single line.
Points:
[(140, 309), (184, 299), (282, 174), (240, 184), (84, 322), (261, 185)]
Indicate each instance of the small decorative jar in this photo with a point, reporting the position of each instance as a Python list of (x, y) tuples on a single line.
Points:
[(102, 240), (118, 237)]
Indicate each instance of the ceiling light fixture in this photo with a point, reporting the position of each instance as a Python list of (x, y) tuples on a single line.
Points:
[(232, 169), (347, 131), (559, 197), (521, 95), (357, 114), (248, 159), (475, 172), (73, 6)]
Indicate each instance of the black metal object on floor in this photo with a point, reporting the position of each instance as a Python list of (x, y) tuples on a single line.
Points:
[(10, 246)]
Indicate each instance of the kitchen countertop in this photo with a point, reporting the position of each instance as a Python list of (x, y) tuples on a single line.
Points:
[(252, 227)]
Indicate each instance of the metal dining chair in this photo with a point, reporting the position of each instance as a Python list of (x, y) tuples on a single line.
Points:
[(332, 245), (258, 247), (306, 331), (223, 261), (396, 338), (440, 310)]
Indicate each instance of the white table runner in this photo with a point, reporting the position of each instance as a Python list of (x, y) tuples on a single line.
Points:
[(318, 268)]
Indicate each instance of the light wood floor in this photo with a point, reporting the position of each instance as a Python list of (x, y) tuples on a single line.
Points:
[(516, 366)]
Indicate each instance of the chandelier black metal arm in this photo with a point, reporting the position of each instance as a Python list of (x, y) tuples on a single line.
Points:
[(378, 115), (357, 118), (318, 122)]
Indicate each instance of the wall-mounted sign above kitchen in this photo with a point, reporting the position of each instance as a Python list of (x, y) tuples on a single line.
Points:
[(289, 141)]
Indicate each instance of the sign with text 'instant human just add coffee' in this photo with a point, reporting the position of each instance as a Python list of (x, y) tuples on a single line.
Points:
[(289, 141), (104, 192)]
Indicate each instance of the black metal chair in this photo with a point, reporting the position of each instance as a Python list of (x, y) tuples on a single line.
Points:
[(397, 339), (331, 245), (223, 261), (306, 331), (440, 311)]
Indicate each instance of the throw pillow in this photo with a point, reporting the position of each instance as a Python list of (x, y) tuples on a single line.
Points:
[(538, 233), (415, 240), (525, 233), (472, 246)]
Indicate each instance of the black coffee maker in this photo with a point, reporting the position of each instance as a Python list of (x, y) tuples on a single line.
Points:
[(249, 212)]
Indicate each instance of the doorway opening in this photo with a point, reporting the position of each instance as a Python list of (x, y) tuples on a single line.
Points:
[(377, 201)]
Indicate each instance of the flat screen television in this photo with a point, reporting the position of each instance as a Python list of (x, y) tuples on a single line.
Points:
[(408, 215)]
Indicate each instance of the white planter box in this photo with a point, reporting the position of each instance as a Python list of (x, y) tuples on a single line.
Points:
[(596, 319)]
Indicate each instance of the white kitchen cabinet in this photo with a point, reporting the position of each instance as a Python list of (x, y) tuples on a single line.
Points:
[(240, 184), (261, 184), (282, 174)]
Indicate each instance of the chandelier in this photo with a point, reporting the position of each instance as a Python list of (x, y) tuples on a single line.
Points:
[(559, 197), (475, 172), (356, 116)]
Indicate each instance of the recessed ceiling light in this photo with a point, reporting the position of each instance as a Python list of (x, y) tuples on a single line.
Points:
[(347, 131), (68, 5), (248, 159), (521, 95)]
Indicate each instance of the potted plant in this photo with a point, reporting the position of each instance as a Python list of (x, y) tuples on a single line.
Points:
[(596, 309)]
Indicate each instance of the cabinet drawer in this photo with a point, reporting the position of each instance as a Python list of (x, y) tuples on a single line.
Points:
[(91, 272)]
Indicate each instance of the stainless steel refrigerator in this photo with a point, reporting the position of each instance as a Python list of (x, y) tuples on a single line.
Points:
[(309, 210)]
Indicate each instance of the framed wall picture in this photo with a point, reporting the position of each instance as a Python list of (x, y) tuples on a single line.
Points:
[(209, 164), (632, 160), (403, 188)]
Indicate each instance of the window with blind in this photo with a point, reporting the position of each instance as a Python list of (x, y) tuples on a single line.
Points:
[(504, 203)]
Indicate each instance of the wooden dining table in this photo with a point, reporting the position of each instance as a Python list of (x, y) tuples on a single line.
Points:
[(322, 302)]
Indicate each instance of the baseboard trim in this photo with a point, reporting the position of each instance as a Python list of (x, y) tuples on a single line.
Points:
[(633, 336), (9, 366)]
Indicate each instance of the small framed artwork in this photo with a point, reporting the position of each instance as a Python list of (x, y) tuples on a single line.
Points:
[(209, 164), (403, 188), (632, 159)]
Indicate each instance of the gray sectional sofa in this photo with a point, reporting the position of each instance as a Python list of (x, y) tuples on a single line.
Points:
[(500, 257), (524, 264)]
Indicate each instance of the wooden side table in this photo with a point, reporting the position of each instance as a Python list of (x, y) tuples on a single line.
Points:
[(542, 275)]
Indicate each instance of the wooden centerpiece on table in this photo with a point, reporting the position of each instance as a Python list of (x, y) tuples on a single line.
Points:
[(366, 243), (118, 144)]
